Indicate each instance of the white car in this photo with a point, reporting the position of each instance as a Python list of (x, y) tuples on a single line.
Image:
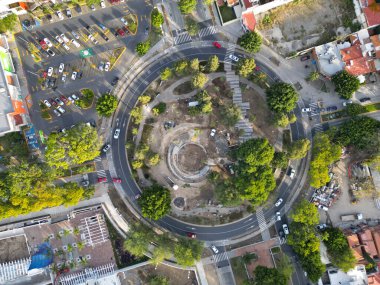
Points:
[(65, 46), (75, 97), (106, 147), (64, 38), (68, 13), (61, 110), (102, 4), (64, 76), (61, 67), (286, 230), (75, 35), (49, 44), (305, 110), (278, 216), (47, 103), (347, 103), (214, 249), (91, 37), (107, 66), (74, 75), (234, 58), (58, 114), (71, 99), (75, 43), (116, 134), (50, 71), (213, 132), (59, 39), (292, 173), (279, 201), (59, 14), (124, 21)]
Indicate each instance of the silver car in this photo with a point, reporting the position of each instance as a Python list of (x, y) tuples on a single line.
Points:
[(75, 35), (116, 134)]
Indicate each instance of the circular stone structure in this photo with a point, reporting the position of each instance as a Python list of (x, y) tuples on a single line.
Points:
[(191, 157)]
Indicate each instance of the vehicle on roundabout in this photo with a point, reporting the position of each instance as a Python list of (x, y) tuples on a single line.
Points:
[(191, 235), (116, 180), (279, 202), (116, 134)]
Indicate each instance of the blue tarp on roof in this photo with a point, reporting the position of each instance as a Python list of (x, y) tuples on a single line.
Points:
[(31, 138), (43, 257)]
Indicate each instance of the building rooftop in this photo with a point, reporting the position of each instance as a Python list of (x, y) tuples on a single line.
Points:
[(353, 241), (371, 12), (249, 20), (329, 59), (358, 66), (367, 240), (357, 276), (351, 52)]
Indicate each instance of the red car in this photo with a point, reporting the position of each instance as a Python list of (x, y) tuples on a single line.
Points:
[(116, 180), (64, 99), (121, 32), (43, 44), (52, 101), (102, 179), (216, 44), (191, 235)]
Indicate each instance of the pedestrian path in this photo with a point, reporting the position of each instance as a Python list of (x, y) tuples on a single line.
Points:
[(181, 38), (314, 109), (318, 128), (221, 256), (210, 30), (101, 173), (97, 159), (237, 98), (262, 224)]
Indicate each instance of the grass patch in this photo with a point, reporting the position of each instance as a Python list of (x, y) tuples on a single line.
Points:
[(146, 133), (227, 13), (87, 98), (45, 115), (238, 269), (183, 88)]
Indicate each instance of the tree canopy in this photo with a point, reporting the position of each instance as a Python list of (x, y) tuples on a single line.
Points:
[(180, 66), (77, 145), (155, 202), (192, 26), (251, 42), (246, 66), (187, 6), (305, 213), (212, 64), (280, 160), (269, 276), (282, 97), (106, 105), (345, 84), (199, 80), (204, 106), (194, 65), (8, 23), (157, 18), (143, 47), (188, 251), (298, 149), (231, 114), (166, 74)]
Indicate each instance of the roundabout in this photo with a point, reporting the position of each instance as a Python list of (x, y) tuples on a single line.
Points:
[(287, 189)]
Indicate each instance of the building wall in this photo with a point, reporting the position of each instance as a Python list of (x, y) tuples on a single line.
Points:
[(268, 6), (5, 9)]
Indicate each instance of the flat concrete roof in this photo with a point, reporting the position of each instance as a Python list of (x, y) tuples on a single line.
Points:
[(329, 59)]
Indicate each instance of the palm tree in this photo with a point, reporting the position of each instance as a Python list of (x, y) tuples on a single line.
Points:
[(66, 232), (83, 261), (72, 264), (54, 268), (69, 248), (60, 252), (76, 231), (80, 245)]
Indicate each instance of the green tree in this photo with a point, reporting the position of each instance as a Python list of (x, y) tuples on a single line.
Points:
[(155, 202), (314, 75), (8, 23), (268, 276), (313, 266), (157, 18), (212, 63), (281, 120), (292, 118), (231, 114), (280, 160), (141, 151), (305, 213), (158, 280), (251, 42), (345, 84), (192, 26), (187, 6), (299, 148), (281, 97), (143, 47), (324, 152), (160, 108), (154, 159), (285, 266), (355, 109), (194, 65), (246, 66), (199, 80), (338, 249), (137, 114), (106, 105), (138, 241), (144, 99), (188, 251), (180, 66), (160, 253), (208, 2), (166, 74), (136, 164)]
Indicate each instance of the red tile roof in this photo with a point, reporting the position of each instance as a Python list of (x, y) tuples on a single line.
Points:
[(352, 52), (249, 20), (376, 238), (374, 279), (247, 4), (220, 2), (372, 12), (354, 243), (358, 66), (367, 240), (18, 120), (375, 40), (232, 2)]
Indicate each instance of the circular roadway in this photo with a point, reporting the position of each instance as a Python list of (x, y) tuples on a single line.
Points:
[(130, 187)]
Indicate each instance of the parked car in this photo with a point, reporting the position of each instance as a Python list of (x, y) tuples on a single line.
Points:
[(305, 110), (365, 99), (233, 57), (64, 38), (106, 147), (78, 9), (214, 249), (116, 134), (324, 208), (61, 67), (285, 228), (321, 227), (347, 103), (51, 101), (59, 14), (104, 37), (64, 76), (61, 110), (68, 13), (116, 180), (49, 44), (279, 201), (59, 39), (102, 4), (47, 104), (101, 66), (65, 46), (75, 43), (331, 108), (75, 35), (71, 99), (212, 133), (91, 37), (92, 7), (49, 51), (80, 74), (59, 102), (291, 173), (120, 32), (91, 30), (305, 57), (115, 81), (58, 114), (217, 45), (278, 216), (64, 99), (102, 179), (43, 44), (107, 66), (74, 75), (124, 21), (50, 71), (49, 18), (75, 97), (191, 235)]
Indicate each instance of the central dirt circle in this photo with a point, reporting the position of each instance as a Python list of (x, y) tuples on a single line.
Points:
[(191, 158)]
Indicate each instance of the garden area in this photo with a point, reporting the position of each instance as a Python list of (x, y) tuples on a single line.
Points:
[(87, 98), (227, 13)]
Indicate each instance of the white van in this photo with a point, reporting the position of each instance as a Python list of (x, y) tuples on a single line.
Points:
[(292, 173)]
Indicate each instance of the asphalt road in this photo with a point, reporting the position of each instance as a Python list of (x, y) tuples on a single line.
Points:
[(96, 80), (207, 233)]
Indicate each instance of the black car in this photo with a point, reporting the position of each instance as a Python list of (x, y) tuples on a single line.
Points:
[(365, 99), (104, 37), (115, 81), (78, 9), (332, 108), (49, 17), (79, 75)]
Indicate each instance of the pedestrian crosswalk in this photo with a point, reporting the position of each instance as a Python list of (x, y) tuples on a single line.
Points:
[(314, 109), (97, 159), (101, 173), (377, 202), (184, 37), (210, 30), (220, 256), (318, 128), (262, 224)]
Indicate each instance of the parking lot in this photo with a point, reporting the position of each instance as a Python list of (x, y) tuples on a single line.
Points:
[(67, 54)]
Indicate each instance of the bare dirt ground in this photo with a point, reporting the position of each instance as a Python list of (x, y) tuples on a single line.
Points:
[(13, 248), (262, 124), (343, 206), (297, 26), (142, 274), (211, 275)]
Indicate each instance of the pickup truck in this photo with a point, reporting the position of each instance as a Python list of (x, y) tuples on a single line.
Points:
[(346, 218)]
